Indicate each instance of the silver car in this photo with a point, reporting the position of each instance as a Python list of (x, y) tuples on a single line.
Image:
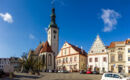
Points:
[(114, 76)]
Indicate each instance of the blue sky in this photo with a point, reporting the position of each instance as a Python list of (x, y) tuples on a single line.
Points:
[(23, 23)]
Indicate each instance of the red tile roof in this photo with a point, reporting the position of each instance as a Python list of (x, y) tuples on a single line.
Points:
[(38, 49), (46, 48), (112, 45), (127, 41), (81, 51)]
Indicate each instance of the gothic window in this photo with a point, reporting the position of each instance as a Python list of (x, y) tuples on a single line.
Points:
[(49, 60)]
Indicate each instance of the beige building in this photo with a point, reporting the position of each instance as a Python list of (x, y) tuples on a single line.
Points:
[(127, 58), (117, 56), (71, 58)]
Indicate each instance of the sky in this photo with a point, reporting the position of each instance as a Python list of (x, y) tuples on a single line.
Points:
[(23, 23)]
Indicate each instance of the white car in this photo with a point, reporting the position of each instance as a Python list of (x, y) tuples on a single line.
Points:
[(114, 76)]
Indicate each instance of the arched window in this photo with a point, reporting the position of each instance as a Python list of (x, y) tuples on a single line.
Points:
[(49, 60)]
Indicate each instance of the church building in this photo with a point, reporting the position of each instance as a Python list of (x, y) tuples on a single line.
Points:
[(49, 49)]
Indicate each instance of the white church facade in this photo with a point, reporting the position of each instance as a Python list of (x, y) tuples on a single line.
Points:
[(98, 57), (48, 50)]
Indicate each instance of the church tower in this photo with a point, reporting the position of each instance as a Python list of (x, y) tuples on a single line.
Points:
[(53, 33)]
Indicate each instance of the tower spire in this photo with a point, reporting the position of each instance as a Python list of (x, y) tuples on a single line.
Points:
[(53, 16)]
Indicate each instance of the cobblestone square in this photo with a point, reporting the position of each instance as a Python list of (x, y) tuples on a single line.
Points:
[(57, 76)]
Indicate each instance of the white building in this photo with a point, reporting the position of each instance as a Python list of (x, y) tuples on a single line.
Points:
[(3, 62), (97, 56), (127, 53)]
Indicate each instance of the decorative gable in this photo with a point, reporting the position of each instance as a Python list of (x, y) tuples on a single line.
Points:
[(69, 49), (98, 46)]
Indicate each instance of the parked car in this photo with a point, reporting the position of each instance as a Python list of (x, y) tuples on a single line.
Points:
[(114, 76), (55, 71), (63, 71), (88, 72), (82, 72), (95, 72)]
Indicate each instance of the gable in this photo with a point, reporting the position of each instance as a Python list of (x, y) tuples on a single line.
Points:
[(98, 46), (66, 50)]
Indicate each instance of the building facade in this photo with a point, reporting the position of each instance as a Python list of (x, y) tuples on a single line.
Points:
[(116, 52), (71, 58), (4, 62), (127, 53), (47, 55), (53, 34), (14, 61), (98, 57), (47, 51)]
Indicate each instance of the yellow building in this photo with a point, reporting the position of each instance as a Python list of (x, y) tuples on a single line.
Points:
[(116, 52), (71, 58)]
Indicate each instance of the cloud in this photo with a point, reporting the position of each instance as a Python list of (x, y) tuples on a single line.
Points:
[(6, 17), (109, 18), (59, 2), (31, 36)]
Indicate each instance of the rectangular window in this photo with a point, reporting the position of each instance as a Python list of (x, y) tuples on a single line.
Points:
[(129, 69), (104, 59), (128, 58), (120, 57), (102, 50), (96, 59), (66, 60), (129, 50), (112, 58), (119, 48), (75, 58), (90, 59), (71, 59), (112, 50)]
